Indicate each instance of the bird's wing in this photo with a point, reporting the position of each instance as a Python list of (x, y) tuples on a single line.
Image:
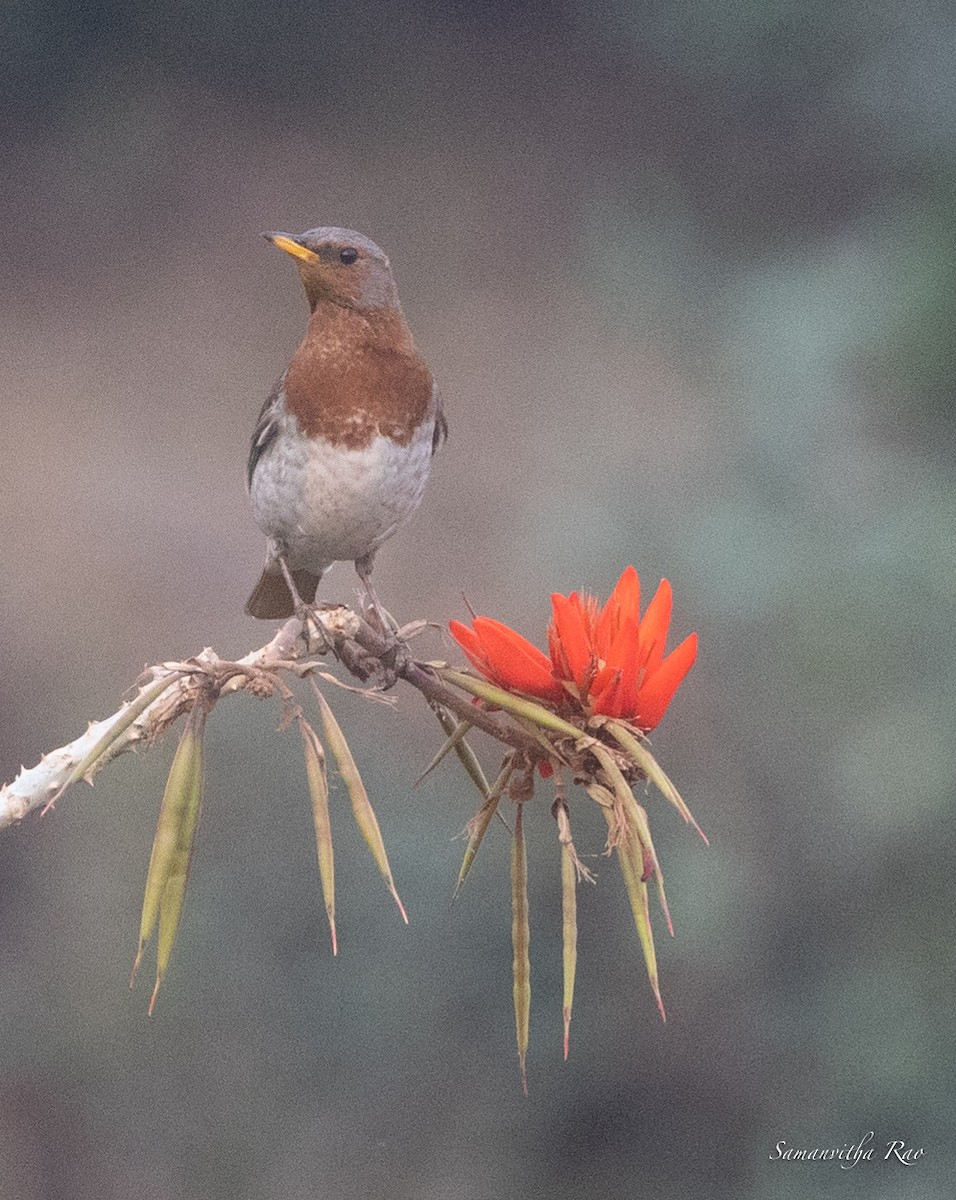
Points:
[(267, 428), (441, 425)]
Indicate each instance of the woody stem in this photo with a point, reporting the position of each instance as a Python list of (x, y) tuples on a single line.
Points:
[(432, 688), (167, 690)]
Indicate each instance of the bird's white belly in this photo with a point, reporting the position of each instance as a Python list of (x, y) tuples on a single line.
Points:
[(323, 503)]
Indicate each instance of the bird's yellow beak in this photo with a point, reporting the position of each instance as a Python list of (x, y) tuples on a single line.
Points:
[(291, 246)]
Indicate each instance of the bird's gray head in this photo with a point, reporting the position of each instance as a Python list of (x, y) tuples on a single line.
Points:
[(341, 266)]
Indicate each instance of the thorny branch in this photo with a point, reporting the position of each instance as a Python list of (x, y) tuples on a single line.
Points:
[(167, 690), (604, 754)]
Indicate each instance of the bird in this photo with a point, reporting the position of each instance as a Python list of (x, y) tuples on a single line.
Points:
[(343, 446)]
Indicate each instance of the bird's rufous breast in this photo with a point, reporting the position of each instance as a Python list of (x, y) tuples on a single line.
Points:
[(357, 375)]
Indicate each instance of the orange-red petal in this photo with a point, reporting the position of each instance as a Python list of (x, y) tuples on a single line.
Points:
[(659, 688), (602, 679), (653, 632), (625, 656), (559, 660), (570, 634), (608, 659), (514, 661), (590, 611), (468, 640), (608, 700), (623, 602)]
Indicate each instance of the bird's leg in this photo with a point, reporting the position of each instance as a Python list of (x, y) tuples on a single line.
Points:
[(301, 608), (387, 625), (396, 655), (303, 611)]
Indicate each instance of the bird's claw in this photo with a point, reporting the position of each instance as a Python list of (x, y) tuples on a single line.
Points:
[(306, 614), (388, 666), (380, 619), (396, 657), (319, 641)]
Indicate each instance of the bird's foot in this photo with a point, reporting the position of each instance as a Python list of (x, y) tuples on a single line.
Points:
[(373, 610), (379, 618), (391, 665), (318, 639)]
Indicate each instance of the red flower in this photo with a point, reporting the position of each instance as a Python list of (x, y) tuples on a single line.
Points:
[(606, 660), (507, 659)]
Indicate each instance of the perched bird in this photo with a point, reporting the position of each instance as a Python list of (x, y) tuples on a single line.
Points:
[(342, 450)]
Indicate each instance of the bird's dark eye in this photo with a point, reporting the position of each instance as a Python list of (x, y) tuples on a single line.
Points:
[(348, 255)]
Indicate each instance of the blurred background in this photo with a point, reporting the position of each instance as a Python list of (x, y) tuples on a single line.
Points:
[(685, 273)]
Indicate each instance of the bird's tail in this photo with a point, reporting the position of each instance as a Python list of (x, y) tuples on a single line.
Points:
[(271, 599)]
